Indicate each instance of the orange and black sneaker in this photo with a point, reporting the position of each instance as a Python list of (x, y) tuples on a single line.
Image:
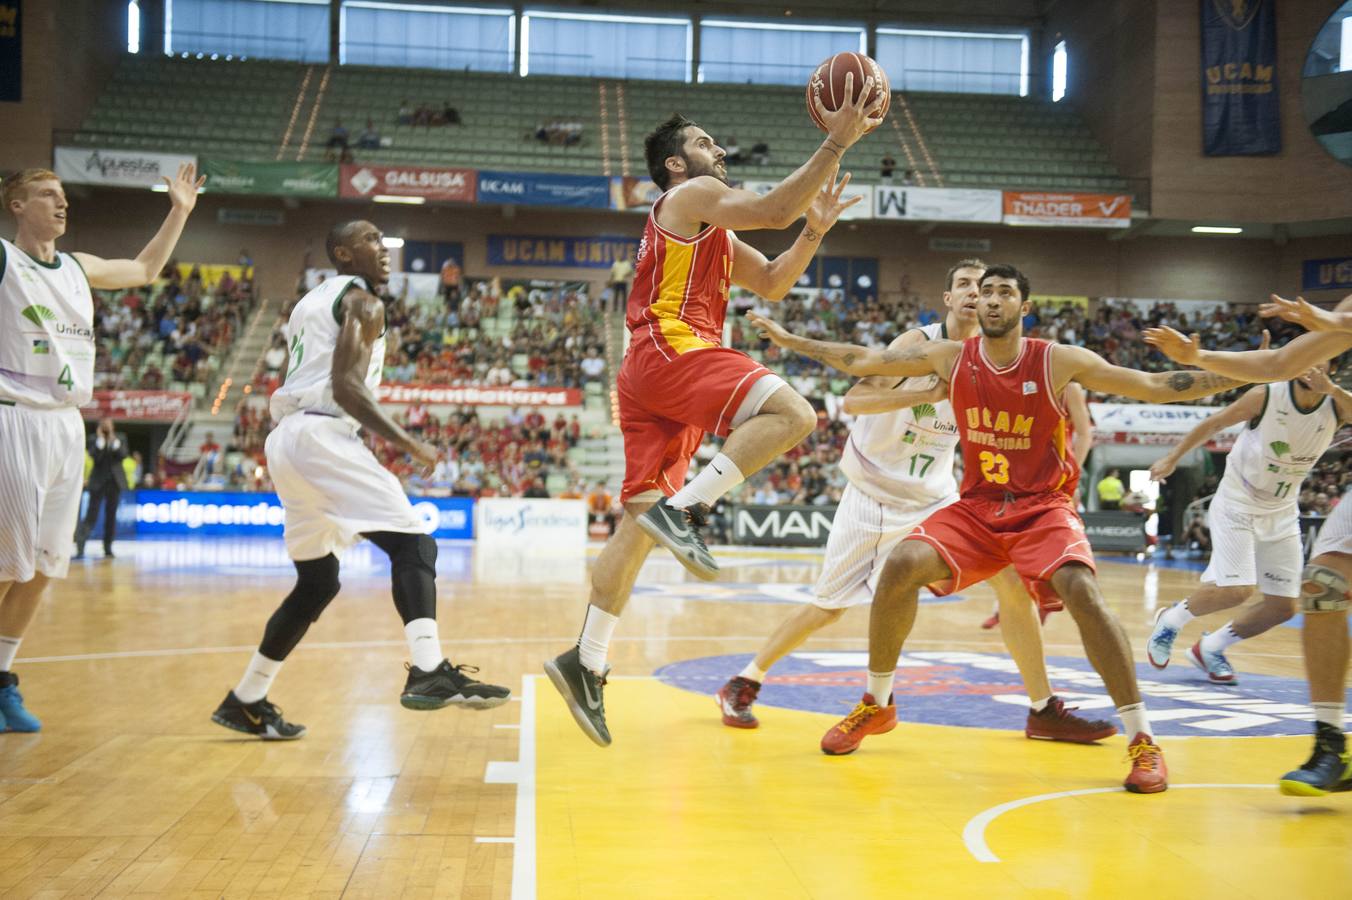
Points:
[(867, 718), (1149, 774), (734, 702), (1058, 722)]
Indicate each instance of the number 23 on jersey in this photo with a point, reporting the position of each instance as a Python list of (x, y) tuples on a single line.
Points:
[(994, 467)]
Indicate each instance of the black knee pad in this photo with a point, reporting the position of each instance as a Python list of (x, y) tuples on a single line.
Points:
[(413, 572), (316, 585)]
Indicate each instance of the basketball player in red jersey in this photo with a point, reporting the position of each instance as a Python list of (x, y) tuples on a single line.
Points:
[(677, 382), (1014, 509)]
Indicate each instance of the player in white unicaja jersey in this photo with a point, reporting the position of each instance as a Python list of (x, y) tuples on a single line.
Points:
[(335, 492), (1326, 578), (46, 374), (1254, 517), (899, 461)]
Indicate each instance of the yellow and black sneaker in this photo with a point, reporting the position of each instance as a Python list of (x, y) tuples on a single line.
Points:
[(260, 718), (449, 685), (1327, 771)]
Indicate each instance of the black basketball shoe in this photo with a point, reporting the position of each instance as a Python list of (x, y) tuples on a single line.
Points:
[(1328, 770), (449, 685), (582, 689), (260, 718), (678, 531)]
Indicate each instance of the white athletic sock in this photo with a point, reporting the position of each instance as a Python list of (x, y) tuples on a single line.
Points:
[(424, 643), (1135, 721), (257, 680), (9, 647), (880, 686), (1330, 714), (594, 643), (713, 481), (1177, 616), (1218, 640), (1039, 705), (755, 674)]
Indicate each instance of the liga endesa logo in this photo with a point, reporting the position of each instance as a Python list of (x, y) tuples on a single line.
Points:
[(983, 690)]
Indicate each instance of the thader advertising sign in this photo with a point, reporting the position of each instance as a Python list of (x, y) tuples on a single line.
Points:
[(1075, 210), (261, 514)]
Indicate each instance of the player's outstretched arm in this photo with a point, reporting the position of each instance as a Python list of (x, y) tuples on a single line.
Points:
[(772, 279), (707, 199), (1246, 408), (1097, 374), (364, 322), (882, 393), (1247, 366), (114, 274), (930, 358), (1309, 316), (1077, 404)]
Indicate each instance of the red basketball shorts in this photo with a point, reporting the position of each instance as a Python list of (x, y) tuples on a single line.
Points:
[(667, 406), (977, 537)]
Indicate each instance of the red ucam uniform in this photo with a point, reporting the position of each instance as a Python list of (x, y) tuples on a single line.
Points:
[(677, 381), (1016, 503)]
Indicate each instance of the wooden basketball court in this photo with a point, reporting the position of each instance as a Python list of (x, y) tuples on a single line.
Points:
[(129, 788)]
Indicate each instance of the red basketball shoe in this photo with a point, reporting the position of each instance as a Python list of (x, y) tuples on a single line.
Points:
[(868, 718), (1058, 722), (1149, 774)]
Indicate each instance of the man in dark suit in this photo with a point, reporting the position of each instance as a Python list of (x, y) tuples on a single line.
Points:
[(106, 481)]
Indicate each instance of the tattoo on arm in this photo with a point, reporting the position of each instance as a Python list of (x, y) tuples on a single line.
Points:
[(1180, 381), (1190, 385)]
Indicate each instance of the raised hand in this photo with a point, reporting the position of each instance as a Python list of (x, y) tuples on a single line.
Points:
[(184, 186), (1182, 350), (826, 209), (1318, 381), (854, 118), (770, 330), (1162, 468), (1301, 313)]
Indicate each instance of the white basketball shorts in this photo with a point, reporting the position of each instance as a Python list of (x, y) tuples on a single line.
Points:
[(41, 478), (332, 487), (1249, 548), (863, 533)]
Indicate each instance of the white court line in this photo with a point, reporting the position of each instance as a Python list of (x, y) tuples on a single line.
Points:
[(523, 857), (974, 833), (495, 840)]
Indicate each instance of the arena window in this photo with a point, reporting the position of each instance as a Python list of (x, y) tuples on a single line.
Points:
[(755, 52), (604, 46), (1058, 71), (264, 29), (374, 33), (133, 27), (961, 62)]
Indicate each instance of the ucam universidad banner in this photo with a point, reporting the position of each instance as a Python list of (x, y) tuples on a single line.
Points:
[(1074, 210), (936, 204), (1326, 274), (285, 179), (116, 168), (1240, 102), (558, 250), (544, 189)]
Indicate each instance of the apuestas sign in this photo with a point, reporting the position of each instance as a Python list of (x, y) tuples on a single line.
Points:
[(983, 690)]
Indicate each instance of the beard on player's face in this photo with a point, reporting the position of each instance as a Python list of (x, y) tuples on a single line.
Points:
[(704, 164)]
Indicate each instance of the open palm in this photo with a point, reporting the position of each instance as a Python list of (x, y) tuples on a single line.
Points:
[(828, 206)]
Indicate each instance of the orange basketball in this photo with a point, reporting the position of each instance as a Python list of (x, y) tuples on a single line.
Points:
[(828, 83)]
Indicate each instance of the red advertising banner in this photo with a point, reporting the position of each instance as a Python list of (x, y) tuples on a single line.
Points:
[(144, 406), (458, 185), (470, 395), (1077, 210)]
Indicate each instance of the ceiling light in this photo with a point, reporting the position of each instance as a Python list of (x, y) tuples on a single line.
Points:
[(390, 198), (1216, 229)]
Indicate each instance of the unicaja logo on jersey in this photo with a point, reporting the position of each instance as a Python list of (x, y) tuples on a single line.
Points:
[(1280, 448), (38, 314), (923, 410)]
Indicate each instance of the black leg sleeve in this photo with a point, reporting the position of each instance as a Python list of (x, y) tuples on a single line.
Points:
[(413, 572), (316, 584)]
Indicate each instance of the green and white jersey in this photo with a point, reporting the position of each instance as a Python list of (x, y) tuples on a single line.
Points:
[(46, 331), (1272, 456), (905, 457), (311, 337)]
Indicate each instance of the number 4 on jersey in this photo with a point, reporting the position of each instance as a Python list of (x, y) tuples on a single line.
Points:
[(66, 379)]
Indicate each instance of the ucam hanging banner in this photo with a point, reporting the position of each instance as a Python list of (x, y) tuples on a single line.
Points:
[(544, 189), (11, 51), (117, 168), (1240, 115), (1326, 274), (556, 250), (936, 204), (1075, 210)]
